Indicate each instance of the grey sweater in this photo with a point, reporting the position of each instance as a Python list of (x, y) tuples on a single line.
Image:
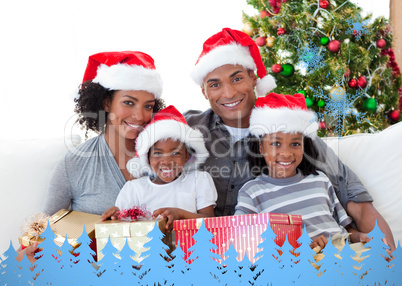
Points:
[(87, 179)]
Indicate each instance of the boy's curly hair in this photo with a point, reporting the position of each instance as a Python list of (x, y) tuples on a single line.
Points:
[(89, 106)]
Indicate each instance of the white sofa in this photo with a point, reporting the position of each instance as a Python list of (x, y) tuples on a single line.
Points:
[(26, 166), (25, 169)]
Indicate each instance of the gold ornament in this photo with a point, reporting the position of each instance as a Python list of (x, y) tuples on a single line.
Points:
[(337, 93), (248, 29), (270, 42)]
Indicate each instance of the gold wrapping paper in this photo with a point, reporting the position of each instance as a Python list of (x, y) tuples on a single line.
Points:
[(66, 222)]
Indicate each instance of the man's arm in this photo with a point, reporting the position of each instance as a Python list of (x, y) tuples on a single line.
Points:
[(351, 193), (365, 215)]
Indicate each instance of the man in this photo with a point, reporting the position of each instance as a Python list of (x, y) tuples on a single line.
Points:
[(225, 72)]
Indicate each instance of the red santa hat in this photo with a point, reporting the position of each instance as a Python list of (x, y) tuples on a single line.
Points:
[(125, 70), (167, 123), (235, 48), (282, 113)]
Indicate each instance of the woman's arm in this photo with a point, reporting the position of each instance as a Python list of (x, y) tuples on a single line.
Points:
[(58, 195), (173, 214)]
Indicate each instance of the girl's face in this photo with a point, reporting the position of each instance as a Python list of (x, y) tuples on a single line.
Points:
[(129, 111), (282, 152), (167, 159)]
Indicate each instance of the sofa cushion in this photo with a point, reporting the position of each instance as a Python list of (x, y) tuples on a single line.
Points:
[(377, 161), (25, 168)]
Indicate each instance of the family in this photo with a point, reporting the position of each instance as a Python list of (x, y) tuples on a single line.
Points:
[(252, 151)]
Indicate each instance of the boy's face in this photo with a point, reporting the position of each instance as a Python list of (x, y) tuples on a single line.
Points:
[(167, 159), (283, 153), (230, 91)]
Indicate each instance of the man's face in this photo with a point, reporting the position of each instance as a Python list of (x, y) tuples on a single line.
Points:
[(230, 91)]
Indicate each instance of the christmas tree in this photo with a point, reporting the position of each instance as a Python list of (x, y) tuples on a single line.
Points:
[(339, 59)]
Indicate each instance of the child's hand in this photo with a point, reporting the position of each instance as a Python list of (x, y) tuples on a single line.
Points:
[(110, 213), (362, 237), (357, 236), (320, 241), (170, 213)]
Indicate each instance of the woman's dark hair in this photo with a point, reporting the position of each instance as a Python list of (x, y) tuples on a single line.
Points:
[(258, 165), (89, 106)]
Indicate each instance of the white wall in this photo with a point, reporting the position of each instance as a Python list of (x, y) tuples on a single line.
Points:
[(46, 45)]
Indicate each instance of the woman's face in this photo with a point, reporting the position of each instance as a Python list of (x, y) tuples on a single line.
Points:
[(129, 111)]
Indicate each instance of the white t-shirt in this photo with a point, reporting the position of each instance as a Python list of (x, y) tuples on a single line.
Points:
[(237, 133), (191, 191)]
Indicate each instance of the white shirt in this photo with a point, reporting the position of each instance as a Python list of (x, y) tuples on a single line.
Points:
[(237, 133), (191, 191)]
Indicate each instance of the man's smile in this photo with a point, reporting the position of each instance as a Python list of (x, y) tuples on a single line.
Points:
[(232, 104)]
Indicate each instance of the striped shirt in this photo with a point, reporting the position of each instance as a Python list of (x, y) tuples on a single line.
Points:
[(312, 197)]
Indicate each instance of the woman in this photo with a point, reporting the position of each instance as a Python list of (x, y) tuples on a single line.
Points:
[(119, 93)]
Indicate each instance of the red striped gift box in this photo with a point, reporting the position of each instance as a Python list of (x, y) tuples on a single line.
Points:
[(243, 230)]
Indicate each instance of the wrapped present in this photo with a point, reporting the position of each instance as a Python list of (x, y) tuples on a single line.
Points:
[(63, 222), (243, 230), (134, 231), (32, 228)]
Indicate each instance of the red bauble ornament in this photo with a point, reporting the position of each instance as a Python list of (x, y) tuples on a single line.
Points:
[(280, 31), (324, 4), (347, 73), (265, 13), (276, 68), (381, 43), (276, 5), (322, 125), (261, 41), (334, 46), (352, 83), (394, 115), (362, 82)]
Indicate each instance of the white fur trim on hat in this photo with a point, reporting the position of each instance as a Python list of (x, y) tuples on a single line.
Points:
[(264, 120), (233, 54), (165, 129), (265, 85), (129, 77)]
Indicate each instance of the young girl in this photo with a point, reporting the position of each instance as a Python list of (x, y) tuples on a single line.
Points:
[(168, 152), (281, 154)]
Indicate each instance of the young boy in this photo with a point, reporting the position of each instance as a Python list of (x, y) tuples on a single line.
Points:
[(168, 153)]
